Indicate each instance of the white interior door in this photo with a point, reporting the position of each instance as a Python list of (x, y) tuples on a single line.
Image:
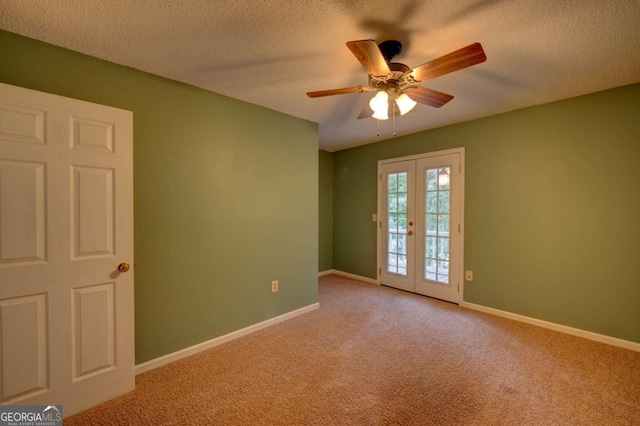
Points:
[(66, 225), (421, 224)]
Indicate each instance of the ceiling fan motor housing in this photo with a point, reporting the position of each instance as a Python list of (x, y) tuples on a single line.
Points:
[(390, 49), (400, 76), (400, 73)]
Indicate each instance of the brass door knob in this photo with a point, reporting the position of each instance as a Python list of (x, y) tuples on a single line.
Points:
[(123, 267), (410, 223), (410, 233)]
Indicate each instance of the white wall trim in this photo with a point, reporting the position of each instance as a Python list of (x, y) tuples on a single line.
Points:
[(348, 275), (422, 155), (192, 350), (614, 341)]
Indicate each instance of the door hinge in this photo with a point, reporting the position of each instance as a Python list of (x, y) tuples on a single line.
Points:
[(381, 178), (379, 271), (380, 224), (458, 228), (459, 168)]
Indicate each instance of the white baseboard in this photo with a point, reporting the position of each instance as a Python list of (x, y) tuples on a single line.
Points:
[(626, 344), (183, 353), (348, 275)]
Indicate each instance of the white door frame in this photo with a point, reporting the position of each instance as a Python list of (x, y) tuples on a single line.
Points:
[(380, 206)]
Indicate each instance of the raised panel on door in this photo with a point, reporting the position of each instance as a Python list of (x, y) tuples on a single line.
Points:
[(23, 347), (22, 212), (92, 135), (19, 124), (92, 220), (93, 330)]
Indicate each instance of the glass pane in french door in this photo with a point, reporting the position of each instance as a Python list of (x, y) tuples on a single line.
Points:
[(437, 219), (397, 215)]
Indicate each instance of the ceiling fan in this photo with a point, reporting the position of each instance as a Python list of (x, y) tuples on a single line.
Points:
[(398, 80)]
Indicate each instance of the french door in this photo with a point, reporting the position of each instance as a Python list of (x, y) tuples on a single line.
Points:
[(420, 228)]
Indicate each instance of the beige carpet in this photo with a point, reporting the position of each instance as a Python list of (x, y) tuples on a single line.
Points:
[(376, 356)]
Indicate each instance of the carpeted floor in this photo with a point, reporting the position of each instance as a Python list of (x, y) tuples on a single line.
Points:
[(377, 356)]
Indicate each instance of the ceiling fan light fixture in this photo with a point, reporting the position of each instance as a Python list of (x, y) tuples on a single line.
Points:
[(380, 115), (396, 79), (405, 103), (380, 105)]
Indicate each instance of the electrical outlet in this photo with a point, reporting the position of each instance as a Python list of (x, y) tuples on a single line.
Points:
[(468, 275), (274, 286)]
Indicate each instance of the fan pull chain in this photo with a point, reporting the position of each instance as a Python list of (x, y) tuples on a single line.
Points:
[(378, 131), (393, 119)]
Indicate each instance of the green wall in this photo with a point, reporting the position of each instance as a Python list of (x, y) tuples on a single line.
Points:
[(325, 228), (552, 208), (226, 197)]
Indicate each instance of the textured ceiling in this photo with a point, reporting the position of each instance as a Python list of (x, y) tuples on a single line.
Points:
[(271, 52)]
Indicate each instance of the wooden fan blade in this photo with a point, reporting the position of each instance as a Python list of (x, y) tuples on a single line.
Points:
[(366, 112), (454, 61), (428, 96), (346, 90), (369, 55)]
